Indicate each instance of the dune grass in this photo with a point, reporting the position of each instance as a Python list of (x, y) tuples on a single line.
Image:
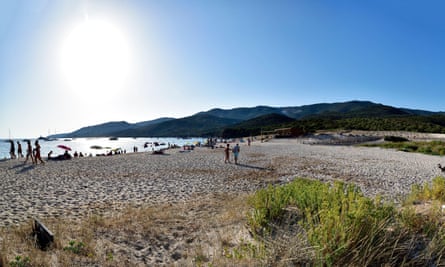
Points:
[(209, 231), (342, 227), (305, 222), (426, 147)]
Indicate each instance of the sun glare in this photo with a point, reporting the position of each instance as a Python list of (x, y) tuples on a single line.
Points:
[(95, 59)]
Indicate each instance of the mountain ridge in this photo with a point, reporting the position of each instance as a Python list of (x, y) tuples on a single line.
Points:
[(214, 121)]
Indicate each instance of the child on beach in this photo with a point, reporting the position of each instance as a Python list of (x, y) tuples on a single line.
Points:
[(227, 154)]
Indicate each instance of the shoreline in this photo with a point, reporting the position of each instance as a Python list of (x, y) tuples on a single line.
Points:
[(79, 187)]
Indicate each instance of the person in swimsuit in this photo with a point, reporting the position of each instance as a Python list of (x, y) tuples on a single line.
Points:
[(37, 152), (19, 150), (29, 152), (227, 154)]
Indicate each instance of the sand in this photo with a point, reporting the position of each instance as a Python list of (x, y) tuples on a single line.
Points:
[(191, 194), (87, 185)]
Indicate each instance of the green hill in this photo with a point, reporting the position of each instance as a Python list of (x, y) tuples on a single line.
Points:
[(363, 115), (254, 126), (197, 125), (412, 123)]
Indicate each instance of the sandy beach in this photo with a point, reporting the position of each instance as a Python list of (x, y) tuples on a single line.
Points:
[(185, 199), (103, 184)]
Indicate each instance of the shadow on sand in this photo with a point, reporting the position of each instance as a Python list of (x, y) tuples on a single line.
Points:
[(17, 166), (254, 167), (160, 154), (24, 167)]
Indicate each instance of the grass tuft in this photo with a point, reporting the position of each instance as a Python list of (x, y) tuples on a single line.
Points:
[(195, 233), (343, 227)]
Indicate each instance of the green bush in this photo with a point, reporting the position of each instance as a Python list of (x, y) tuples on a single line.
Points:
[(433, 191), (392, 138), (20, 262), (338, 219), (269, 203), (427, 147), (76, 247), (409, 147), (345, 228)]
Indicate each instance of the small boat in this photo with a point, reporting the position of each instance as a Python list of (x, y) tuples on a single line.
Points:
[(113, 138), (46, 139)]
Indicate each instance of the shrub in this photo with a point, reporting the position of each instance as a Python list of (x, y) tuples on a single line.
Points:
[(20, 261), (433, 191), (268, 204), (338, 219), (345, 228), (438, 189), (392, 138), (76, 248), (409, 147), (428, 147)]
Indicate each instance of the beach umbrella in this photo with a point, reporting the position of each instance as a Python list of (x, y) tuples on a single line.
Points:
[(64, 147)]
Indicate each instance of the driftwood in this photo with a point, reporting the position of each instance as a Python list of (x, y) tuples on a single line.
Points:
[(44, 237)]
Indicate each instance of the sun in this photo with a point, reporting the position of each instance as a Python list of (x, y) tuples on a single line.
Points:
[(95, 59)]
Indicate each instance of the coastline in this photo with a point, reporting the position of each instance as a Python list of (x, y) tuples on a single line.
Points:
[(82, 186), (177, 209)]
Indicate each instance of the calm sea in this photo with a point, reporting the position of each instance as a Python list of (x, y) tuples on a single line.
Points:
[(84, 145)]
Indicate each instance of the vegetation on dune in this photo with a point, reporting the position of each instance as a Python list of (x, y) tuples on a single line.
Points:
[(426, 147), (434, 191), (335, 121), (305, 222), (207, 232), (425, 124), (254, 126), (341, 227)]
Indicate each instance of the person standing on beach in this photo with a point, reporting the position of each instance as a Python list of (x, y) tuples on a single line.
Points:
[(12, 150), (29, 152), (227, 154), (37, 151), (19, 150), (236, 151)]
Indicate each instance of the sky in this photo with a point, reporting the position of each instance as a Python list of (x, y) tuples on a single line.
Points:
[(69, 64)]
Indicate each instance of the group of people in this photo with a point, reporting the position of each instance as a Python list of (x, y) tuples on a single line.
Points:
[(34, 154), (235, 150), (65, 156)]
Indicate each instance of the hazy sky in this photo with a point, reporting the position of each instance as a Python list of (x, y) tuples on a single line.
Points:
[(69, 64)]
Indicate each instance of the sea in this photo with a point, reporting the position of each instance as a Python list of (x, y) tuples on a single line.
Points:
[(97, 146)]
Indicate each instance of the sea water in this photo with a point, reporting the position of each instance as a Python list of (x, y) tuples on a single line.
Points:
[(85, 145)]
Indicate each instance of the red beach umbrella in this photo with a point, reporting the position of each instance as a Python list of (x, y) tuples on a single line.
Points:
[(64, 147)]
